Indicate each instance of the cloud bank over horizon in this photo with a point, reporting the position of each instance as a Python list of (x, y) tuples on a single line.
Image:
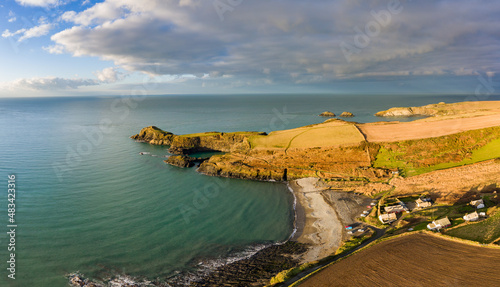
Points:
[(281, 42)]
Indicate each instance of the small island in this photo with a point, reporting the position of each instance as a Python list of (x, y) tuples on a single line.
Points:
[(327, 114), (347, 115)]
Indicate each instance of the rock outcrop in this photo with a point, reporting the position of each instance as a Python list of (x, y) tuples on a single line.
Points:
[(184, 161), (327, 114), (154, 136), (347, 115)]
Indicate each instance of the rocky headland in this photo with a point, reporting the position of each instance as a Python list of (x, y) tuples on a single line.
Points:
[(195, 143)]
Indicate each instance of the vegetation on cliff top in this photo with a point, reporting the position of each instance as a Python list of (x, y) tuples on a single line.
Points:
[(415, 157)]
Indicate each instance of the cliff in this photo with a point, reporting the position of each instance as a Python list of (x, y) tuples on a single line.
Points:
[(213, 141)]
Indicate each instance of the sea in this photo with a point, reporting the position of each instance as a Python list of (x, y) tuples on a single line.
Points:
[(87, 201)]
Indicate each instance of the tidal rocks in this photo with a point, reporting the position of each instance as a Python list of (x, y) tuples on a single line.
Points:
[(256, 270), (184, 161), (77, 280), (327, 114), (347, 115)]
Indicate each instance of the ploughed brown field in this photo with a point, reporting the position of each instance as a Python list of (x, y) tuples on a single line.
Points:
[(414, 260), (428, 128)]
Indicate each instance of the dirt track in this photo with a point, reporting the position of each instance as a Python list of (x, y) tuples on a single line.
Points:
[(389, 132), (415, 260)]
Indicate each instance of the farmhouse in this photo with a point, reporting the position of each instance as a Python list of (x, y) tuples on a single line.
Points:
[(471, 216), (438, 224), (423, 202), (477, 203), (387, 218), (395, 208)]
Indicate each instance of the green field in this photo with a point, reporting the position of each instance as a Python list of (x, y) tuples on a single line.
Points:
[(485, 231), (416, 157)]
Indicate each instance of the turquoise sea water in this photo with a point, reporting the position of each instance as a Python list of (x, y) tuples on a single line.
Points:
[(87, 201)]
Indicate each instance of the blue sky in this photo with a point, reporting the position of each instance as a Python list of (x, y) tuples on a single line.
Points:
[(119, 47)]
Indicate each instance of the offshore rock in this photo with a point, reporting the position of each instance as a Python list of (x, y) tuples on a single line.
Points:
[(347, 115), (327, 114)]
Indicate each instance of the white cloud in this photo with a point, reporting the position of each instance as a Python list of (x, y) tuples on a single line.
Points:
[(34, 32), (7, 33), (54, 49), (109, 75), (50, 83), (12, 17), (39, 3)]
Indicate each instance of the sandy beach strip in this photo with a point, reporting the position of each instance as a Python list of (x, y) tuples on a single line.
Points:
[(317, 222)]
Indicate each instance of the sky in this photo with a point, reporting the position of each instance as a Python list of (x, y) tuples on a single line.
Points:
[(126, 47)]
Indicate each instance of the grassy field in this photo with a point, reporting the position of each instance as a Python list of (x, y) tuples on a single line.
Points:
[(327, 134), (415, 157), (485, 231)]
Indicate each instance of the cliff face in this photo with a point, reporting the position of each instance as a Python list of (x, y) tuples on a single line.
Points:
[(224, 142), (224, 167)]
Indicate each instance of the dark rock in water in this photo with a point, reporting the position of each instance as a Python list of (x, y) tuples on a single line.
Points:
[(77, 280), (184, 161), (327, 114), (347, 115), (256, 270)]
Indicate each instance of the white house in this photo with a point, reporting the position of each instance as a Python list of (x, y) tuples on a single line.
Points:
[(471, 216), (387, 218), (477, 203), (438, 224), (423, 202)]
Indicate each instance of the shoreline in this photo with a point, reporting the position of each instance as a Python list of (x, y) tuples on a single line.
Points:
[(316, 221)]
